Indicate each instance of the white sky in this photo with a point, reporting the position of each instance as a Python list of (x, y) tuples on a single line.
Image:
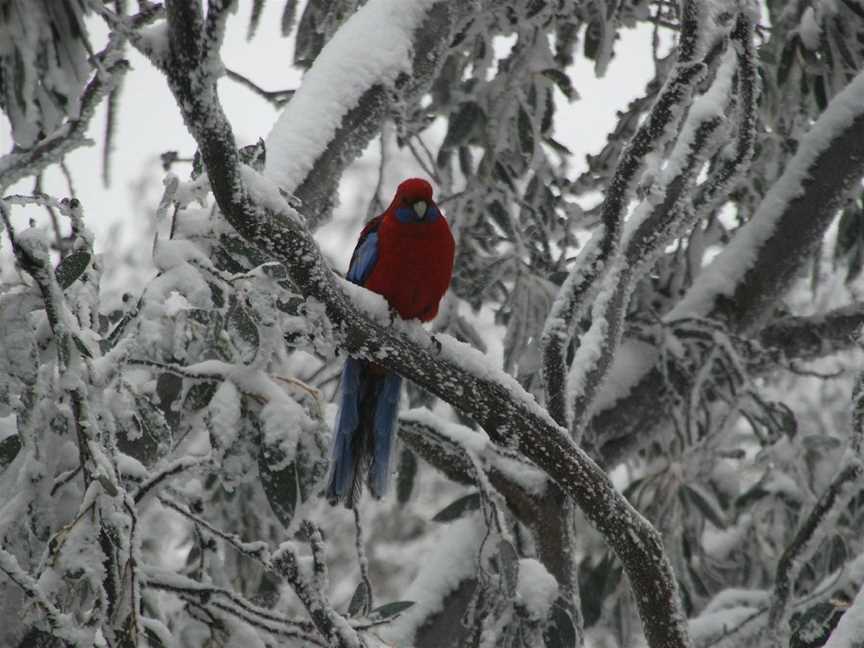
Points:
[(149, 124)]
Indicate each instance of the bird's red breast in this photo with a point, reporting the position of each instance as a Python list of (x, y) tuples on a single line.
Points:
[(415, 256), (415, 262)]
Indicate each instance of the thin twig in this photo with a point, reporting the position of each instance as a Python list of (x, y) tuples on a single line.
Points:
[(276, 97)]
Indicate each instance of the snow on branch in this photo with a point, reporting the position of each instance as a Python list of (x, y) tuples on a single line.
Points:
[(755, 269), (583, 281), (228, 601), (445, 446), (344, 96), (837, 492), (763, 258), (664, 214), (62, 625), (849, 631)]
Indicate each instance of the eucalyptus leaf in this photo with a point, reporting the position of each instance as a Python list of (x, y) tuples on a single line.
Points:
[(9, 448), (389, 610), (509, 566), (71, 268), (361, 601), (458, 508), (560, 631)]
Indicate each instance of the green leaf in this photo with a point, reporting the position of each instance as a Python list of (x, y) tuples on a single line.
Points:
[(199, 395), (526, 133), (72, 267), (706, 503), (107, 484), (389, 610), (152, 432), (560, 631), (274, 271), (281, 485), (361, 601), (462, 124), (82, 348), (169, 387), (812, 627), (560, 79), (9, 448), (820, 92), (407, 475), (787, 59), (509, 565), (458, 508), (244, 332), (237, 248)]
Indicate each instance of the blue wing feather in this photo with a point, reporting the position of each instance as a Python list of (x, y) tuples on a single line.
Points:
[(364, 258)]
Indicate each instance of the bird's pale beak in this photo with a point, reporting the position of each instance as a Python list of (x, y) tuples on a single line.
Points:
[(420, 208)]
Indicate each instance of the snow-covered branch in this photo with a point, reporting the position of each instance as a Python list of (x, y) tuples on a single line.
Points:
[(348, 92), (758, 266), (789, 564), (583, 281)]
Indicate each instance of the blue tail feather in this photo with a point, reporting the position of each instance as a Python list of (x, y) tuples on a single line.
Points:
[(347, 420), (386, 410), (364, 431)]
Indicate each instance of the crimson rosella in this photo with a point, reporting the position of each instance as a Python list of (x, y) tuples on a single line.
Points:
[(405, 255)]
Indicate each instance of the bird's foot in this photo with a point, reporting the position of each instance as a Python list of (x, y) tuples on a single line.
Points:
[(394, 316), (436, 343)]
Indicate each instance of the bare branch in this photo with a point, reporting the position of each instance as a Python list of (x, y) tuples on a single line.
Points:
[(276, 97)]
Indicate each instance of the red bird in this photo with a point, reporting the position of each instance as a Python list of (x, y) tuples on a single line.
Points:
[(405, 255)]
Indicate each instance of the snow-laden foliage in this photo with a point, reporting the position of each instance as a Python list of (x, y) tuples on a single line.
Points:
[(676, 319)]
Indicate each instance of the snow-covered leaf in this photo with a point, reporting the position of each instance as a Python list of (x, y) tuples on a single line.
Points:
[(199, 395), (281, 485), (71, 268), (244, 332)]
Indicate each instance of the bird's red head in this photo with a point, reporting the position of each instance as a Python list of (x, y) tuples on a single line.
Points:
[(414, 189)]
